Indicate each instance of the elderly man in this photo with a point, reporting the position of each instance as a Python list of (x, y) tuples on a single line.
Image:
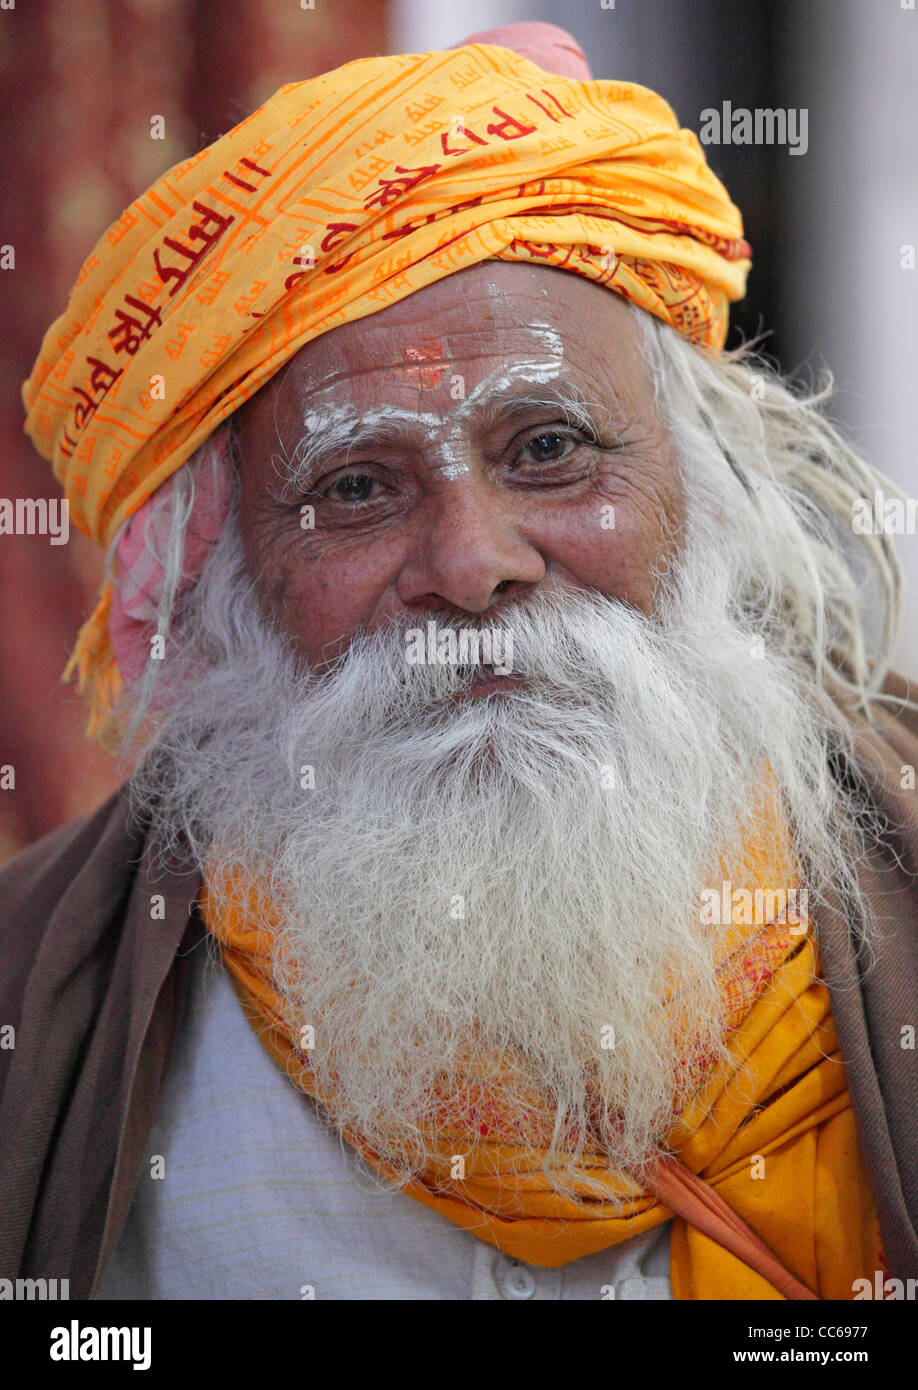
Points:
[(514, 893)]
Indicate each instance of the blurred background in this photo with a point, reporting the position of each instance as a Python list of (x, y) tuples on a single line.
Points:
[(834, 231)]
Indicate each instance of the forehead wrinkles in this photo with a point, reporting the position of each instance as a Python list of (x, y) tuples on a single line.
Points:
[(420, 356)]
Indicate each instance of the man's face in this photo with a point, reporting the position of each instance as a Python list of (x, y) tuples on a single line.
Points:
[(448, 486), (461, 883)]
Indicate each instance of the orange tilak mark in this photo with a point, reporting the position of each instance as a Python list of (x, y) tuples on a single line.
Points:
[(429, 376)]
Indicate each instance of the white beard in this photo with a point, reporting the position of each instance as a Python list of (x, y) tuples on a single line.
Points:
[(495, 882)]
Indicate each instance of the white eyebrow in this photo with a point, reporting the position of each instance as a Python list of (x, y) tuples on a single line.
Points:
[(336, 432)]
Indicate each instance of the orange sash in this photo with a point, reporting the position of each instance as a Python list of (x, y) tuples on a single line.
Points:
[(771, 1128)]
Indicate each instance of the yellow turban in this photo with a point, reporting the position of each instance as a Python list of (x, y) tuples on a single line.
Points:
[(342, 195)]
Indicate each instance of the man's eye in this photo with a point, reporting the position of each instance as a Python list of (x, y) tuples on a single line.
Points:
[(549, 446), (353, 487)]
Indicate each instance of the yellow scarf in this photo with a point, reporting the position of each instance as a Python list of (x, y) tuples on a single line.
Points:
[(777, 1142)]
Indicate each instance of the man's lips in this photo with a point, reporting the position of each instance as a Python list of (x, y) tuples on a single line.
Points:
[(489, 682)]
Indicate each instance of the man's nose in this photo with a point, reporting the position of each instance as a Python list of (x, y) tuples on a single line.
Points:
[(470, 548)]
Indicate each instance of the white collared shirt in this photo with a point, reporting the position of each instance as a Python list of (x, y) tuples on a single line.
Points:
[(250, 1195)]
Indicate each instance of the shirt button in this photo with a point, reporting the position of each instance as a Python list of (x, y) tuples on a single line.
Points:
[(517, 1281)]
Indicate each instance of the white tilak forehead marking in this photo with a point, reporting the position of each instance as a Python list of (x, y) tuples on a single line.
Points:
[(455, 452), (331, 416), (550, 338), (345, 419)]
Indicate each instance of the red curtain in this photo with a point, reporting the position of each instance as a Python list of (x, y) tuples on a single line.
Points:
[(82, 84)]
